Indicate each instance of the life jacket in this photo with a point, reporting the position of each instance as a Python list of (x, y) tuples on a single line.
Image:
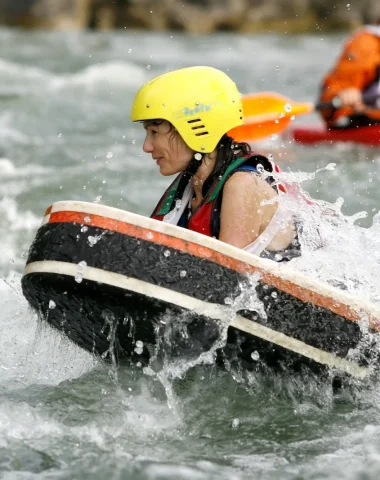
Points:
[(357, 67), (206, 217)]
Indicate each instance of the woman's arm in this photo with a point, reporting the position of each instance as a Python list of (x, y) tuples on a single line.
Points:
[(243, 217)]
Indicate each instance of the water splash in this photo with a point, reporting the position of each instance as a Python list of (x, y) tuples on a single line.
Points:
[(32, 351)]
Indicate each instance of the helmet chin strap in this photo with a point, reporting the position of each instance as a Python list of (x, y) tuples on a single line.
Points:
[(194, 164), (189, 172)]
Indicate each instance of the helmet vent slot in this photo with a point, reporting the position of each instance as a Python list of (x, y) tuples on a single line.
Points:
[(197, 126)]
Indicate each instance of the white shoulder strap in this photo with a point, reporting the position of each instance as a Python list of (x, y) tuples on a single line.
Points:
[(176, 213), (280, 219)]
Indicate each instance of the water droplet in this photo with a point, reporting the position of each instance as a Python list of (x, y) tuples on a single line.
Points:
[(150, 235), (133, 142), (276, 68), (109, 154), (167, 253), (292, 117), (235, 423), (330, 166), (87, 219), (282, 115), (274, 136), (104, 181), (59, 134), (84, 229), (139, 344), (93, 240), (97, 199), (78, 277), (139, 351), (255, 356), (288, 108), (274, 294), (52, 304), (149, 371), (129, 50), (148, 67), (182, 273), (228, 301), (278, 257), (277, 121)]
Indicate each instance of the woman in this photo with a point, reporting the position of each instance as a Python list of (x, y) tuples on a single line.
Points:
[(221, 189)]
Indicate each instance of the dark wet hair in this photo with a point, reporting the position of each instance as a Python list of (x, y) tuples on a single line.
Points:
[(228, 151)]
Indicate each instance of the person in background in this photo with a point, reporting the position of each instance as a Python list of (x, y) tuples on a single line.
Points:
[(222, 190), (354, 81)]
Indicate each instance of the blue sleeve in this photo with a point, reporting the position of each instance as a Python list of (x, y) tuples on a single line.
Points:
[(246, 168)]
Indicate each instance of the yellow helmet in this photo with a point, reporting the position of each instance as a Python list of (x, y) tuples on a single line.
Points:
[(202, 103)]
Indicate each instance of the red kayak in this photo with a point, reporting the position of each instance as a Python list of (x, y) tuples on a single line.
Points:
[(314, 134)]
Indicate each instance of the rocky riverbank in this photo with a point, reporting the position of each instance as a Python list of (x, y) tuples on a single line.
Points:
[(196, 16)]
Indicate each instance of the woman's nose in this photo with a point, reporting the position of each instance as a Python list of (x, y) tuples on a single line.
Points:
[(147, 145)]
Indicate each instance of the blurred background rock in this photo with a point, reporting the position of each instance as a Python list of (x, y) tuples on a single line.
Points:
[(197, 16)]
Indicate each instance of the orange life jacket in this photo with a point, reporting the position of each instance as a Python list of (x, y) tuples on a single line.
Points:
[(357, 67)]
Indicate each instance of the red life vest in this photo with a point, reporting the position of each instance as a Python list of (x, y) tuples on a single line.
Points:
[(206, 217)]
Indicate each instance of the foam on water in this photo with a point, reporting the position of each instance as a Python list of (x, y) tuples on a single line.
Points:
[(334, 249), (33, 352), (16, 225), (106, 75), (27, 80), (10, 133), (23, 79), (9, 170)]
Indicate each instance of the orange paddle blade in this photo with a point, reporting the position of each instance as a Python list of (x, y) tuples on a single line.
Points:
[(255, 131), (266, 114)]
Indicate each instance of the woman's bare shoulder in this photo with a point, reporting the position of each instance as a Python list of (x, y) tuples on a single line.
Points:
[(248, 181)]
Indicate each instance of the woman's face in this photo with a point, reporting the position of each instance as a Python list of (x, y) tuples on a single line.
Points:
[(167, 148)]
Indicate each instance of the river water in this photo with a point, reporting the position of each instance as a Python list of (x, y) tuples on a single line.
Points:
[(65, 134)]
